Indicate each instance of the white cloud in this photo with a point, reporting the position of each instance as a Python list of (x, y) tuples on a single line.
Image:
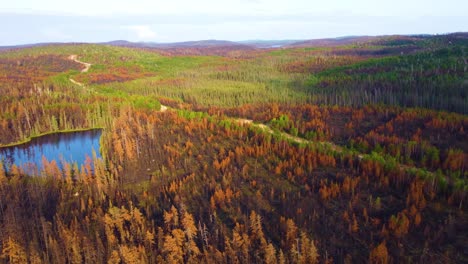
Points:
[(142, 32)]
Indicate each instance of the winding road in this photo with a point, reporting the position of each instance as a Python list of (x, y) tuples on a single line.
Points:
[(86, 68), (328, 144), (87, 65), (242, 121), (74, 58), (290, 137)]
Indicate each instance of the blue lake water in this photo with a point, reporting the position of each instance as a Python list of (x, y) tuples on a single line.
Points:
[(71, 147)]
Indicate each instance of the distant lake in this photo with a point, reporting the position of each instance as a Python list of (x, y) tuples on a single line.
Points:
[(70, 147)]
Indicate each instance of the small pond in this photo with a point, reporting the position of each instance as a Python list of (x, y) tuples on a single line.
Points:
[(72, 147)]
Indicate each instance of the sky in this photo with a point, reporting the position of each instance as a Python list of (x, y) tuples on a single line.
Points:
[(32, 21)]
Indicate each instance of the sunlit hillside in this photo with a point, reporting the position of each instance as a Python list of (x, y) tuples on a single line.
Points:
[(343, 151)]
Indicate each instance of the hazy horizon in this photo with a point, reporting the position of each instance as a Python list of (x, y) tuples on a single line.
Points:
[(28, 22), (242, 41)]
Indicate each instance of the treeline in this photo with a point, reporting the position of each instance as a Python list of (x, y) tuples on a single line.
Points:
[(430, 140), (193, 184), (50, 110), (427, 73), (187, 186), (430, 79)]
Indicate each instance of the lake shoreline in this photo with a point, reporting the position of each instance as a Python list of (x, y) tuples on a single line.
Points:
[(28, 140)]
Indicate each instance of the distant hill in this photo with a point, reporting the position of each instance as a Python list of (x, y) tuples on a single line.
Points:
[(388, 40), (123, 43), (331, 42), (24, 46), (222, 47), (2, 48), (186, 44), (203, 43), (201, 47), (263, 44), (246, 44)]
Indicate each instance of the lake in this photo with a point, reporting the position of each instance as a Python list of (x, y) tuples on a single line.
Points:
[(70, 147)]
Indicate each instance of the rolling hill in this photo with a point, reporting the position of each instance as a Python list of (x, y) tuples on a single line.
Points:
[(348, 150)]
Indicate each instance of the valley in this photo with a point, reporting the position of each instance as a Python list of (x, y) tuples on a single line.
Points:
[(347, 150)]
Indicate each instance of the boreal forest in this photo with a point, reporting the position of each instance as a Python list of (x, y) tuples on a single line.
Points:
[(352, 152)]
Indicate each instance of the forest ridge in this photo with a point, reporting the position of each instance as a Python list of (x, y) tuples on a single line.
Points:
[(329, 151)]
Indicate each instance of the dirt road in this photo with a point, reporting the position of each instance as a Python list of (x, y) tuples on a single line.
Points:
[(295, 139), (86, 68), (87, 65)]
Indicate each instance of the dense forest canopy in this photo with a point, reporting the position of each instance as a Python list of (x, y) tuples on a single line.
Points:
[(304, 154)]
